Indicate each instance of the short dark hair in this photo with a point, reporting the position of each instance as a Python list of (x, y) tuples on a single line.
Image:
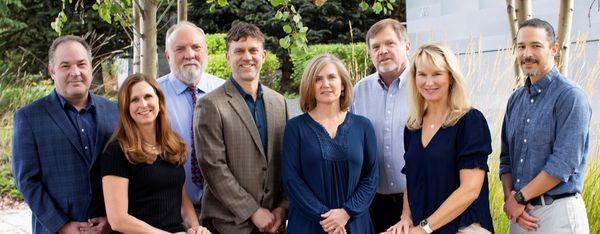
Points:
[(67, 38), (538, 23), (398, 28), (241, 30)]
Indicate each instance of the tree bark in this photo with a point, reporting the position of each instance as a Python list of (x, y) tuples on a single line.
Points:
[(137, 21), (523, 10), (182, 10), (149, 61), (565, 21), (511, 11)]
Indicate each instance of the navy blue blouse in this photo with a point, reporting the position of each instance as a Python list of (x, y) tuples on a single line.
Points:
[(432, 172), (321, 173)]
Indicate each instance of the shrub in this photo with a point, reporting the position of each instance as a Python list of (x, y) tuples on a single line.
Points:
[(216, 43), (355, 56), (270, 74)]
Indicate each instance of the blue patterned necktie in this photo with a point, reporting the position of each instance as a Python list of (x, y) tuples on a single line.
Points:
[(196, 173)]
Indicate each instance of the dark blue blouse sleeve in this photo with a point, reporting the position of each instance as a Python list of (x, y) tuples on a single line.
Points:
[(406, 142), (360, 201), (293, 181), (474, 142)]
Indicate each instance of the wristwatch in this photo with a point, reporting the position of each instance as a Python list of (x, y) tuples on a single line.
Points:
[(425, 225), (520, 198)]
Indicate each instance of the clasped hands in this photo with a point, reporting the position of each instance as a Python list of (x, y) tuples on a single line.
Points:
[(267, 221), (518, 213)]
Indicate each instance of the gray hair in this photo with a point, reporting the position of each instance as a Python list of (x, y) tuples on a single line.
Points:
[(179, 25), (68, 38)]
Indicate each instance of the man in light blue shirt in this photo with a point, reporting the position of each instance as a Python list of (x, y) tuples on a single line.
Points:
[(383, 98), (188, 57)]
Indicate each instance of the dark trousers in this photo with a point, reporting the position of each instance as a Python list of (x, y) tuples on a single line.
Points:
[(385, 210)]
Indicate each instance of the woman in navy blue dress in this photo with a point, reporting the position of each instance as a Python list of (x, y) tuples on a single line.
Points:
[(329, 158), (447, 144)]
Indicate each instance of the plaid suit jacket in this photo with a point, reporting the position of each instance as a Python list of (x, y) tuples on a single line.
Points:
[(58, 182), (240, 178)]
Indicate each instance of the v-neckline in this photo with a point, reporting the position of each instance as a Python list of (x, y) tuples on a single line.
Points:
[(338, 128), (423, 145)]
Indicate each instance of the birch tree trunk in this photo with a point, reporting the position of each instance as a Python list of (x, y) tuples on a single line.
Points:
[(149, 60), (182, 10), (523, 10), (137, 19), (565, 21), (513, 25)]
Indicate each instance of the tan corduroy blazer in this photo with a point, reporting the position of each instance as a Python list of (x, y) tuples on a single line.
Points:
[(239, 177)]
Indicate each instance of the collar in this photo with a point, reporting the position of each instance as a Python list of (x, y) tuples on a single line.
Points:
[(399, 81), (181, 87), (542, 84), (239, 88), (65, 105)]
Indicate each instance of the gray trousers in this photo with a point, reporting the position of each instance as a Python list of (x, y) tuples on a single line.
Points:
[(566, 215)]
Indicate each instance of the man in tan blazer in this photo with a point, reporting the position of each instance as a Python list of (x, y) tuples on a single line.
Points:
[(238, 131)]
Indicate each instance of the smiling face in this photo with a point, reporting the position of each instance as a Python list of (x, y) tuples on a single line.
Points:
[(187, 54), (245, 57), (388, 53), (143, 105), (535, 52), (433, 83), (328, 85), (71, 70)]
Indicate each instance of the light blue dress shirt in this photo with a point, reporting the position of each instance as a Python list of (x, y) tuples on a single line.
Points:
[(546, 128), (179, 106), (387, 108)]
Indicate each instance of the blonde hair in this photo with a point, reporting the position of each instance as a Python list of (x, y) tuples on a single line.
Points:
[(309, 78), (441, 57)]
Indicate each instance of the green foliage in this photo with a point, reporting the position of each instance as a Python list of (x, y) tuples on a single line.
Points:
[(109, 11), (14, 96), (355, 56), (216, 43), (217, 65), (7, 184)]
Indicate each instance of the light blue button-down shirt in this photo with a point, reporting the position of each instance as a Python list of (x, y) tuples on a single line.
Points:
[(387, 108), (546, 128), (179, 106)]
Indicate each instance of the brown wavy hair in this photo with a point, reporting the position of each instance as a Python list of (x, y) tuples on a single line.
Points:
[(128, 134), (309, 78)]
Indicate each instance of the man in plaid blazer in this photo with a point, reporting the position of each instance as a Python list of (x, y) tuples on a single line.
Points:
[(238, 130), (56, 143)]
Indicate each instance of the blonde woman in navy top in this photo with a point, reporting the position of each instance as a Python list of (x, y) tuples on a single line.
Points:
[(447, 144)]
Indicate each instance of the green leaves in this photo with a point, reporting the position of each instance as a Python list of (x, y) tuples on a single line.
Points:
[(363, 5), (287, 28), (385, 6)]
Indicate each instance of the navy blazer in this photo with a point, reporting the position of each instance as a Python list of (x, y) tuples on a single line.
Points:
[(58, 182)]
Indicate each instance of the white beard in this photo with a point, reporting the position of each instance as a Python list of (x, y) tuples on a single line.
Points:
[(189, 76)]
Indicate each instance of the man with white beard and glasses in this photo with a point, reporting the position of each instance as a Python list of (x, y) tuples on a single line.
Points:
[(187, 53)]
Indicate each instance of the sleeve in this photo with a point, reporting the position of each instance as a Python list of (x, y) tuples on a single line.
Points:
[(285, 202), (360, 201), (297, 190), (208, 137), (505, 161), (28, 176), (573, 114), (113, 161), (407, 134), (474, 143)]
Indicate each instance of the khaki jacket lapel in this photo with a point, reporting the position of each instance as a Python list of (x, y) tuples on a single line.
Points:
[(239, 105)]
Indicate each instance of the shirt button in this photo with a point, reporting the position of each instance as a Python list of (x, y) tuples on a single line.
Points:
[(392, 184), (82, 130), (387, 129), (387, 147), (521, 160), (389, 112), (388, 166), (525, 140), (528, 120), (85, 147), (539, 90), (391, 95), (531, 100), (518, 180)]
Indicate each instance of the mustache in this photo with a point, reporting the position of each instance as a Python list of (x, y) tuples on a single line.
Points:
[(529, 60), (190, 63)]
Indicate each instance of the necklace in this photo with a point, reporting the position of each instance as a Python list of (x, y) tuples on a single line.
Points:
[(432, 126), (151, 146)]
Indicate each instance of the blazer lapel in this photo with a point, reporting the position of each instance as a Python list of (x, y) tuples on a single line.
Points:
[(239, 105), (101, 126), (271, 120), (64, 124)]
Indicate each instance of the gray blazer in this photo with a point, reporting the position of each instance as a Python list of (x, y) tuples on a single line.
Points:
[(239, 177)]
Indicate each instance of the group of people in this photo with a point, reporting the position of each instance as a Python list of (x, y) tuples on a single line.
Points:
[(402, 151)]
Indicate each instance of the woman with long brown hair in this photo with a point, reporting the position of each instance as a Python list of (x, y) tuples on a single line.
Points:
[(142, 166)]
